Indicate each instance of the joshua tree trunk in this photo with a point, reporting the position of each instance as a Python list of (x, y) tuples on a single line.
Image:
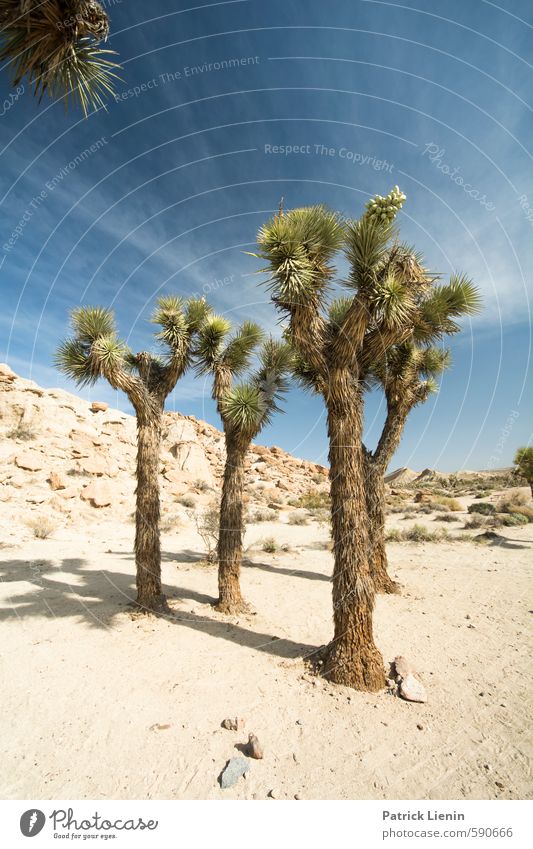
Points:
[(352, 657), (230, 533), (375, 503), (147, 542)]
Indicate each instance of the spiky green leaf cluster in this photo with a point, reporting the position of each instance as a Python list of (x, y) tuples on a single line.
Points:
[(366, 249), (298, 246), (94, 350), (276, 362), (437, 311), (90, 323), (169, 315), (244, 408), (238, 353), (54, 44), (211, 339), (385, 209), (523, 459)]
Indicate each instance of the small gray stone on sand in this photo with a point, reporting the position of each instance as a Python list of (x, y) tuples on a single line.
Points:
[(234, 769)]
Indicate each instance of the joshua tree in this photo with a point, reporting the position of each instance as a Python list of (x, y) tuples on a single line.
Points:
[(524, 461), (54, 43), (95, 351), (335, 350), (407, 375), (244, 408)]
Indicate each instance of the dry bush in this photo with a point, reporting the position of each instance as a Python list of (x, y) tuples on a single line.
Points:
[(169, 522), (484, 507), (187, 501), (446, 517), (520, 510), (201, 485), (262, 516), (478, 521), (207, 522), (451, 503), (42, 526), (298, 519), (269, 545), (510, 502), (512, 519), (311, 500), (417, 533), (21, 431)]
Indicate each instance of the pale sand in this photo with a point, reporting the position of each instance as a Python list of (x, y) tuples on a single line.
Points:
[(85, 682)]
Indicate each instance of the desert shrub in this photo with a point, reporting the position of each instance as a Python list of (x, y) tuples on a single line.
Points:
[(513, 519), (513, 503), (77, 473), (451, 503), (482, 493), (317, 478), (207, 527), (419, 508), (269, 545), (520, 510), (437, 507), (201, 486), (446, 517), (263, 516), (21, 431), (322, 515), (484, 507), (298, 519), (476, 521), (312, 500), (417, 533), (187, 501), (406, 508), (169, 522), (42, 526)]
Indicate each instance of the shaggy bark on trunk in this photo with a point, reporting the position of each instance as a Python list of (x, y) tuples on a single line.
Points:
[(374, 467), (375, 503), (352, 657), (147, 538), (230, 599)]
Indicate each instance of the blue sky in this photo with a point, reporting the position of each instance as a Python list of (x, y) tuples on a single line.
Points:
[(165, 191)]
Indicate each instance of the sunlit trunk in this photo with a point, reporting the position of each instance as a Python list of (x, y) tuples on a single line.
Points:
[(147, 542), (231, 524), (375, 503), (352, 657)]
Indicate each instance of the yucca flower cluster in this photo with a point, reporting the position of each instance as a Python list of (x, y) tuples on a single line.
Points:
[(385, 209)]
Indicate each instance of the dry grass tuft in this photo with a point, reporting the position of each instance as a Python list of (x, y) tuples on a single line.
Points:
[(42, 526)]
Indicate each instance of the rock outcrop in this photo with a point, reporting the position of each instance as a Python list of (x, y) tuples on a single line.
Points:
[(62, 454)]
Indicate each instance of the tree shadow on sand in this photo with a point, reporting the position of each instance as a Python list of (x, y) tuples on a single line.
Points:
[(97, 596)]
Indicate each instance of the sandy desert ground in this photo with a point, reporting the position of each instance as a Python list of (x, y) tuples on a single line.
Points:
[(99, 702)]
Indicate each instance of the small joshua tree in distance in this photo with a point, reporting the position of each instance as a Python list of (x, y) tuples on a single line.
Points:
[(524, 464), (245, 409), (95, 351)]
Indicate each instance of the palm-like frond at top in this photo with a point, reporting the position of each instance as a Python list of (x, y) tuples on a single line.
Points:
[(54, 43), (238, 353), (244, 408), (210, 345), (298, 246)]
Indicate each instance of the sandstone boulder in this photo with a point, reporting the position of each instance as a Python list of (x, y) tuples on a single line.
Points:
[(99, 407), (30, 461), (99, 493), (6, 374), (57, 481)]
